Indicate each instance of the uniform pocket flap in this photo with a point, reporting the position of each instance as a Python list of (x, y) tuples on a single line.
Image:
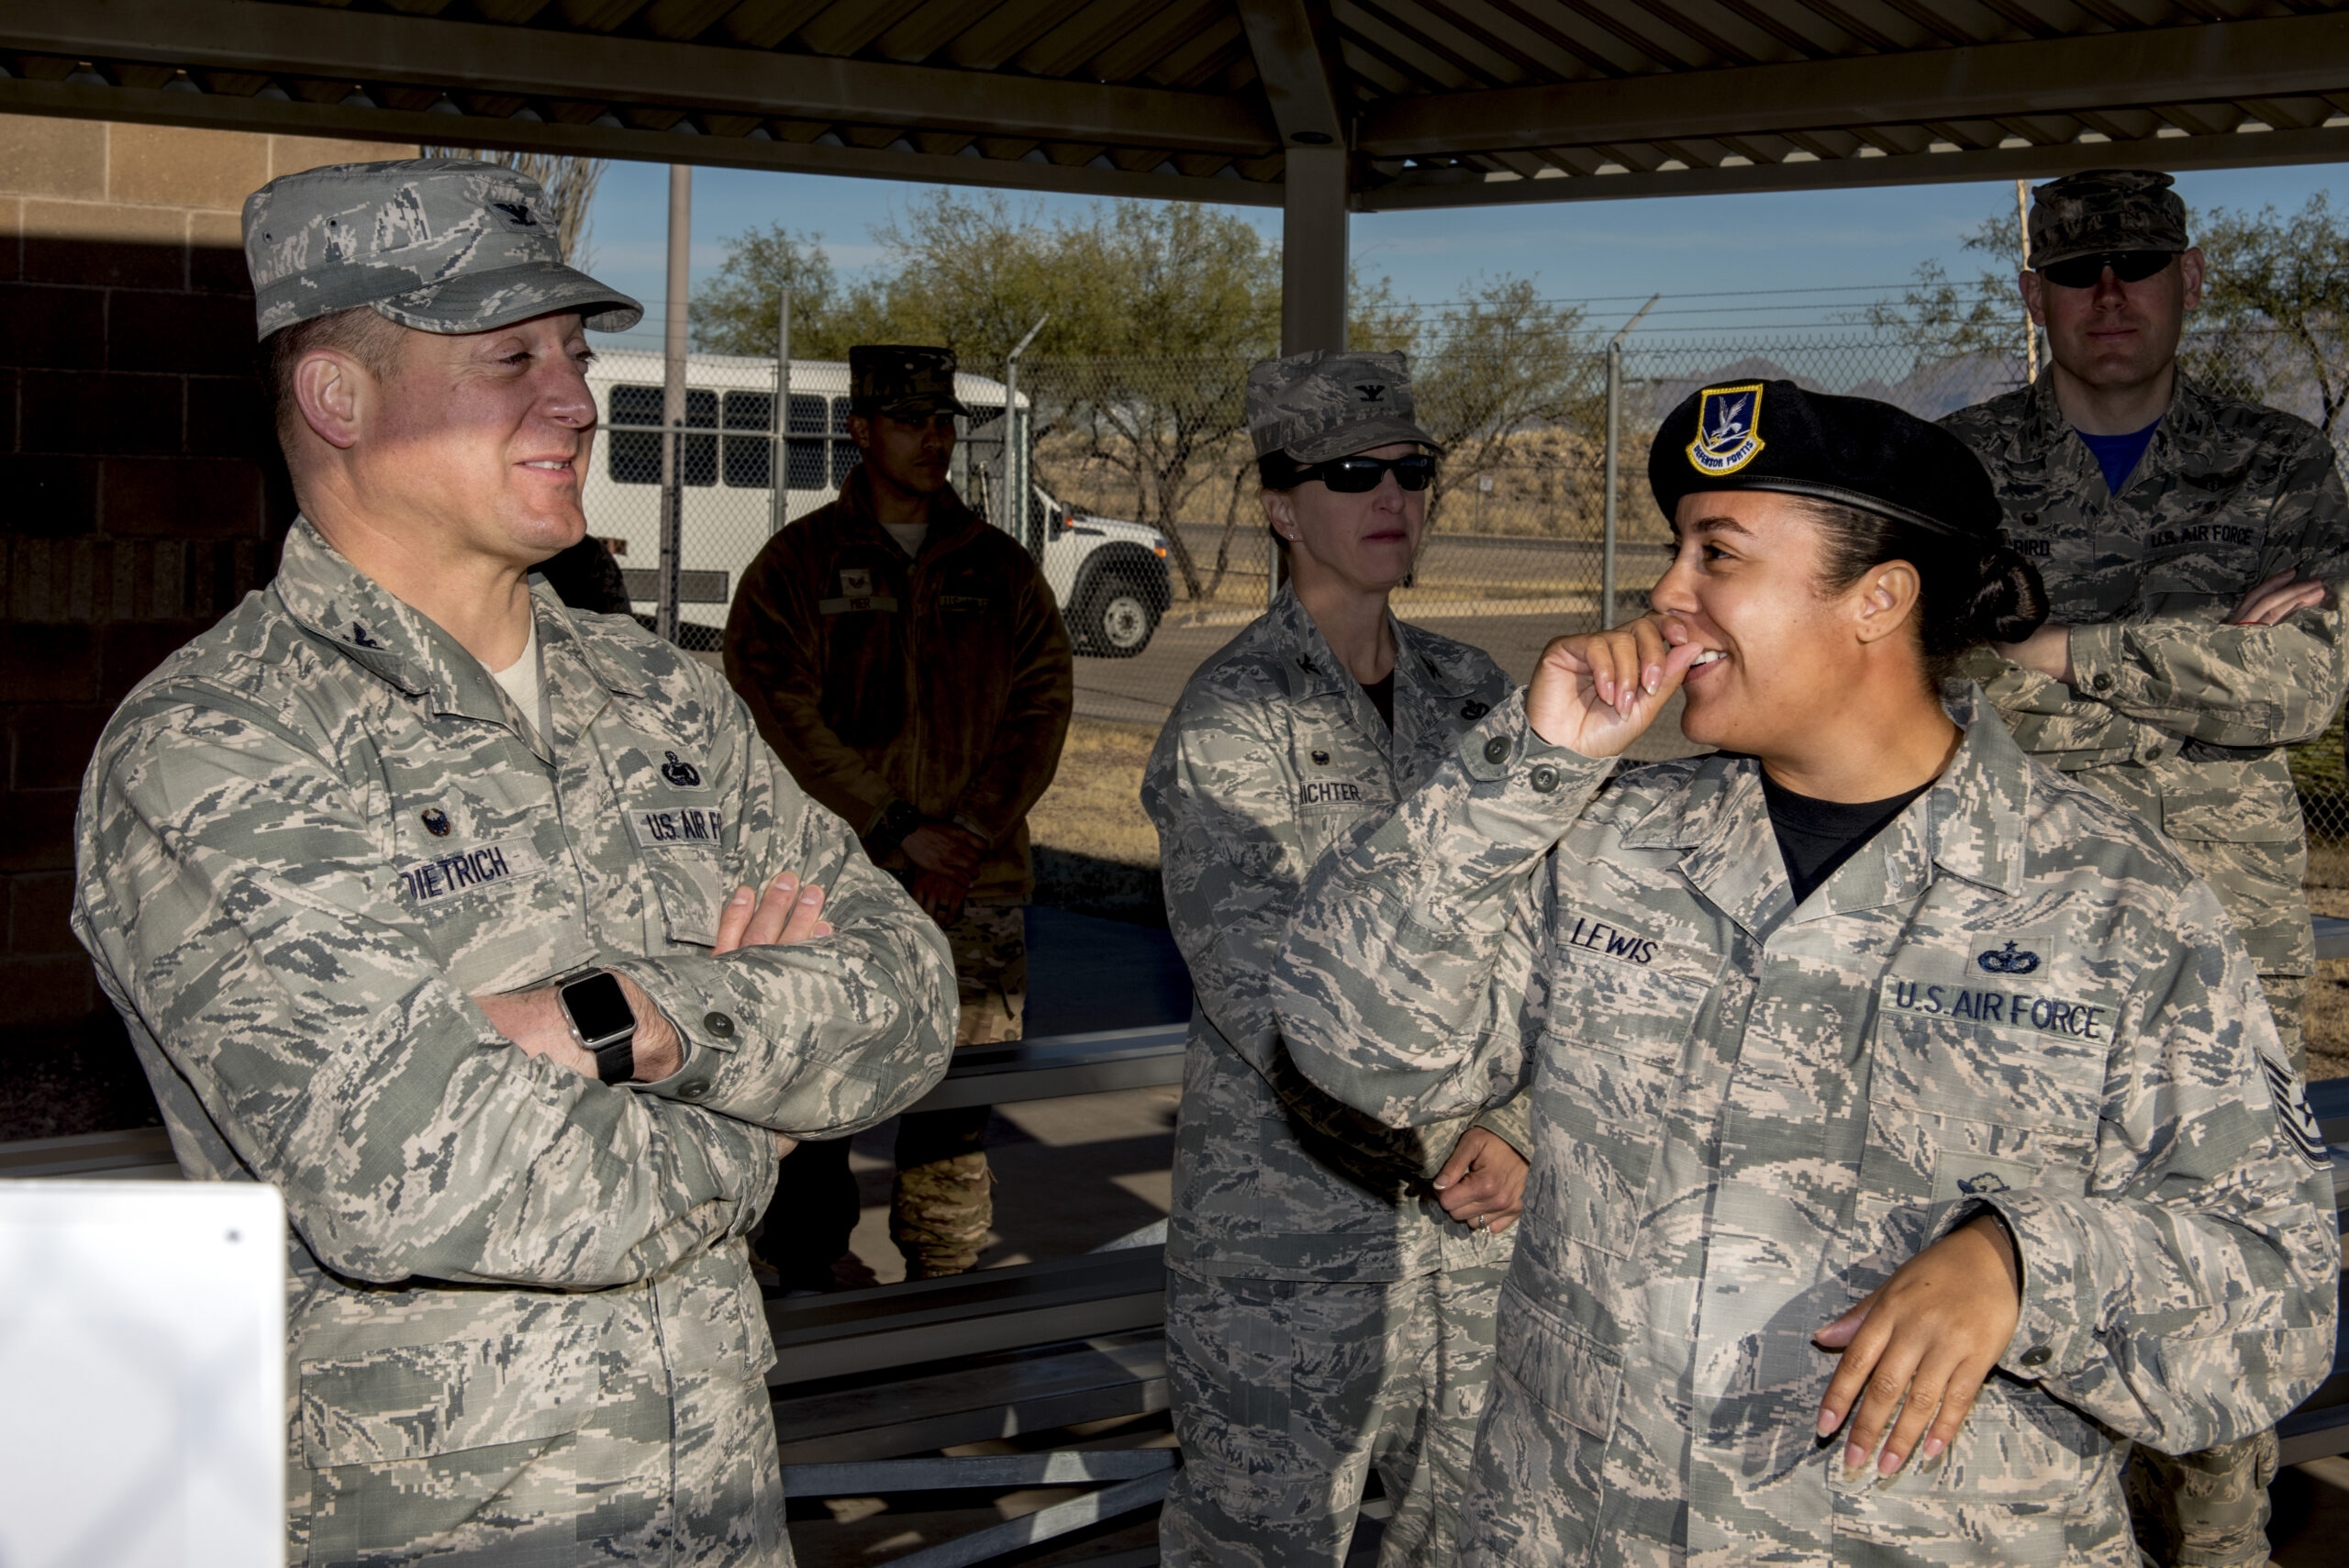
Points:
[(414, 1401), (1562, 1371)]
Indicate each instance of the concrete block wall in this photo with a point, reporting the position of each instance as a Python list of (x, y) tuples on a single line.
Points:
[(141, 498)]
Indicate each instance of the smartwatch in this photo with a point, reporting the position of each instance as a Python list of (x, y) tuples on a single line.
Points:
[(602, 1022)]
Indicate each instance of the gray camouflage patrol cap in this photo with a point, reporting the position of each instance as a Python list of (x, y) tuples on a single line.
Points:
[(902, 378), (2101, 211), (438, 244), (1329, 403)]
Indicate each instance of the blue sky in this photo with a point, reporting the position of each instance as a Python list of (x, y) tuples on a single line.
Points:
[(1741, 249)]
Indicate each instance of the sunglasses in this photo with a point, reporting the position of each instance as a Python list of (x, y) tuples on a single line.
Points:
[(1353, 476), (2086, 271)]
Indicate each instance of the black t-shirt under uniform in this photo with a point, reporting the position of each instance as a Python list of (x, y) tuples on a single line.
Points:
[(1816, 837)]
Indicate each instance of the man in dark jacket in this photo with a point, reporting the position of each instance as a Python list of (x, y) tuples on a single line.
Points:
[(907, 661)]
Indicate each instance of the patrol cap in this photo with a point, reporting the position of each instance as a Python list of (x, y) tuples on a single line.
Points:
[(438, 244), (1330, 402), (905, 380), (1852, 451), (2101, 211)]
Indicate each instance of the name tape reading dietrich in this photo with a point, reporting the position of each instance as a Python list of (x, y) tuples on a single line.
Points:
[(461, 870)]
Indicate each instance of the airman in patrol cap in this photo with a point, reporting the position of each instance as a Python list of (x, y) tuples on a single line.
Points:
[(2191, 544), (1330, 1281), (430, 903), (1867, 1055), (906, 658)]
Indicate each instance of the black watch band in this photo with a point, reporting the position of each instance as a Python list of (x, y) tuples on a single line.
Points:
[(615, 1062)]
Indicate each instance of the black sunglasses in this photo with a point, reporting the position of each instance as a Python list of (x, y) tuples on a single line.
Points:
[(1353, 476), (2086, 271)]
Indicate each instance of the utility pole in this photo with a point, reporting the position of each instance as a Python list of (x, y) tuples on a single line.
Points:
[(1614, 450), (672, 400)]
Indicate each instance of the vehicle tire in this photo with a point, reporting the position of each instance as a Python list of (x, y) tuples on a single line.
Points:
[(1118, 620)]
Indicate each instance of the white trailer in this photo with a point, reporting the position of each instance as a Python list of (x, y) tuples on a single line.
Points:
[(1109, 574)]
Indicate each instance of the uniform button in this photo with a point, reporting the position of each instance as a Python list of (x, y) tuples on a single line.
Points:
[(2038, 1355), (1543, 778), (718, 1024), (1496, 750), (1321, 759), (693, 1091), (2102, 682)]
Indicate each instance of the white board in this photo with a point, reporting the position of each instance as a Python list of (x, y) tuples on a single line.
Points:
[(142, 1375)]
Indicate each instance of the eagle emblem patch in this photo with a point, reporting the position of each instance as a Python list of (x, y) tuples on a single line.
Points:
[(1728, 423)]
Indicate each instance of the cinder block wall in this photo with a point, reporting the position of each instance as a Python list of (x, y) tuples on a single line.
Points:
[(140, 497)]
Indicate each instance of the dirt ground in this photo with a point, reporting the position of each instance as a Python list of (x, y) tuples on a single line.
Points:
[(1095, 852)]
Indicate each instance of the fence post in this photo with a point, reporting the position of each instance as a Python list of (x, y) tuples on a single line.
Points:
[(673, 401), (1614, 462), (1015, 448), (779, 464), (1614, 441)]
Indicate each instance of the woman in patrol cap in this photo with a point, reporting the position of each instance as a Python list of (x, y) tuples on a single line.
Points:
[(1909, 1136), (1330, 1282)]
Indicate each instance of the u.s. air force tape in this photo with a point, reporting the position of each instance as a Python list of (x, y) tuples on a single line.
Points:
[(2294, 1112)]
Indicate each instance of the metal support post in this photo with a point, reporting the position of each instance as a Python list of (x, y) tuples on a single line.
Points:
[(672, 400), (1015, 450), (1614, 464), (1313, 266), (779, 467)]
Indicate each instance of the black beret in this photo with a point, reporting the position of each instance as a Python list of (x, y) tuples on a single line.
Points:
[(1855, 451)]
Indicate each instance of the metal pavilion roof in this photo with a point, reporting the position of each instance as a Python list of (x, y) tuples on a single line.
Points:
[(1440, 101)]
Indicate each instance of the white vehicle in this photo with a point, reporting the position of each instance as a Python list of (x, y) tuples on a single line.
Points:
[(1109, 576)]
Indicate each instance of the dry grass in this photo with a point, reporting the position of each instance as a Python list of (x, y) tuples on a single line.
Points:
[(1095, 852)]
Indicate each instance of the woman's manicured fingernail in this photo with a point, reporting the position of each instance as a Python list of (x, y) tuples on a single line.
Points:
[(1828, 1420), (811, 895), (741, 896), (1934, 1447), (1888, 1463), (1854, 1456)]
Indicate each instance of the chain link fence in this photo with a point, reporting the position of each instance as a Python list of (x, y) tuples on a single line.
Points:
[(1142, 504)]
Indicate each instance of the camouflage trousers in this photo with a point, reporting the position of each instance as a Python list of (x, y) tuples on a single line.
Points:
[(2209, 1509), (943, 1199), (684, 1476), (1287, 1393)]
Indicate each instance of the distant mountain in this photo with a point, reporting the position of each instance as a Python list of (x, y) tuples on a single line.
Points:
[(1929, 390)]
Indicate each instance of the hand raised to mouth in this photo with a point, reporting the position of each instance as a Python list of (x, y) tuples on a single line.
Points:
[(1598, 692)]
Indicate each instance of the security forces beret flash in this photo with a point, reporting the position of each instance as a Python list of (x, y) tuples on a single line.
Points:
[(1851, 451), (438, 244)]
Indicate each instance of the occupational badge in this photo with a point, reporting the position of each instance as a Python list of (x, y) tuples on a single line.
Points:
[(1729, 427)]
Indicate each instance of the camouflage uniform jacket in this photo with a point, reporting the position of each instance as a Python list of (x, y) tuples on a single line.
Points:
[(1271, 755), (945, 680), (1747, 1115), (317, 829), (2172, 712)]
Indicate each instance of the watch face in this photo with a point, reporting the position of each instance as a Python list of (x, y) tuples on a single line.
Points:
[(599, 1008)]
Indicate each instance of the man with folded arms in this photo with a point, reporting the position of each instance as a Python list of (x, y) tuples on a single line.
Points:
[(431, 903)]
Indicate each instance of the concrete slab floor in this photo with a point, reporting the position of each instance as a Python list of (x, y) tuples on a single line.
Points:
[(1070, 1175)]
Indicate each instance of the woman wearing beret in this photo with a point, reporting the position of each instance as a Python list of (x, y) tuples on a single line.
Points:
[(1330, 1280), (1909, 1136)]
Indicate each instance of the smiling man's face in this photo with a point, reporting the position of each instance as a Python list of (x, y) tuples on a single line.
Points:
[(2115, 334), (484, 439)]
